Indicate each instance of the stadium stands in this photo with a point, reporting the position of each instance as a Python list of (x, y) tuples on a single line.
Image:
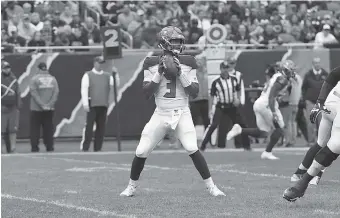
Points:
[(261, 24)]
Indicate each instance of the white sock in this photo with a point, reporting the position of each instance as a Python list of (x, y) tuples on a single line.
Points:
[(301, 167), (315, 168), (133, 183), (209, 182)]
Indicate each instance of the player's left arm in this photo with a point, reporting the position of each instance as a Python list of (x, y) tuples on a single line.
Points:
[(190, 82), (330, 82), (279, 84)]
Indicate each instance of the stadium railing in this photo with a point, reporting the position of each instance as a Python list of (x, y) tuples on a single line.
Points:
[(189, 46)]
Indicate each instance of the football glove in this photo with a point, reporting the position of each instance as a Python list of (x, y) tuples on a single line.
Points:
[(317, 109)]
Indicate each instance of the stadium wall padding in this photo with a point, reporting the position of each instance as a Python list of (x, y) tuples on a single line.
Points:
[(134, 109)]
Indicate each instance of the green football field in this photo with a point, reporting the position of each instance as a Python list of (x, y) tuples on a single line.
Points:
[(69, 184)]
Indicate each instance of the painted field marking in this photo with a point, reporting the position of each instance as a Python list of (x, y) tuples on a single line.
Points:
[(231, 150), (68, 206), (96, 169), (327, 212)]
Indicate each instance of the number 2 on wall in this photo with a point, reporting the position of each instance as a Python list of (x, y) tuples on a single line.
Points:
[(112, 41), (171, 85)]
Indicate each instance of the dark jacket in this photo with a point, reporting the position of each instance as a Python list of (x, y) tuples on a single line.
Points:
[(312, 85), (10, 92)]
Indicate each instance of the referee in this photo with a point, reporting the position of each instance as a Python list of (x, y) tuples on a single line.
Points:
[(240, 141), (225, 100), (96, 86)]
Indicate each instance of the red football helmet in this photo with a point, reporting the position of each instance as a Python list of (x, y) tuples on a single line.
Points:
[(171, 39)]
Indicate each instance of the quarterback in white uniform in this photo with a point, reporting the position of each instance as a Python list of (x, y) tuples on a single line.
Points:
[(172, 111), (328, 136), (266, 109)]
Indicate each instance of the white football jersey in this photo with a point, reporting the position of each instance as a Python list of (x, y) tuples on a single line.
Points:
[(170, 93)]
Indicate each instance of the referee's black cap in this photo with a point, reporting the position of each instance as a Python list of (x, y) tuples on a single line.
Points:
[(99, 59)]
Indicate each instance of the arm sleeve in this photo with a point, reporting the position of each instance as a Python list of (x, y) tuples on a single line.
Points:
[(242, 92), (213, 89), (117, 79), (111, 80), (85, 84), (55, 93)]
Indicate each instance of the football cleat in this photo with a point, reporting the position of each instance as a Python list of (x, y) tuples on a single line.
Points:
[(296, 177), (292, 194), (214, 191), (268, 156), (235, 131), (129, 191)]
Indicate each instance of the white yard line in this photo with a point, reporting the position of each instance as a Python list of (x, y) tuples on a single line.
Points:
[(68, 206), (231, 150), (327, 212)]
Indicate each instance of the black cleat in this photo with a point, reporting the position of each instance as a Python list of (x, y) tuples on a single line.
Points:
[(292, 194)]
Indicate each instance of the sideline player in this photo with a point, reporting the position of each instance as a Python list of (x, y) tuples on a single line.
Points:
[(172, 108), (328, 137), (266, 109)]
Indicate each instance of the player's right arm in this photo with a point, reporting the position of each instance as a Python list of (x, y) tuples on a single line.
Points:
[(151, 79), (213, 94), (330, 82)]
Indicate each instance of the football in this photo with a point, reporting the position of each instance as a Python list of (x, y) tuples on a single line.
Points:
[(170, 66)]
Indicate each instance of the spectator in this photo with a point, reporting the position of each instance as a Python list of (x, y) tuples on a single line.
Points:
[(15, 39), (161, 5), (336, 31), (136, 28), (35, 20), (13, 9), (242, 37), (176, 9), (269, 36), (56, 21), (76, 21), (93, 33), (26, 29), (35, 42), (161, 19), (308, 32), (195, 33), (5, 46), (196, 7), (27, 8), (47, 32), (149, 35), (125, 18), (66, 15), (324, 37), (79, 38), (13, 22)]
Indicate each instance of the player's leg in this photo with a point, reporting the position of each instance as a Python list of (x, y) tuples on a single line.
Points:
[(324, 158), (211, 128), (13, 123), (275, 135), (186, 133), (262, 129), (4, 131), (323, 137), (243, 138), (153, 132)]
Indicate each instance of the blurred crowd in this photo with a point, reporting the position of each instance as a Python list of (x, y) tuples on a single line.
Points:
[(38, 23)]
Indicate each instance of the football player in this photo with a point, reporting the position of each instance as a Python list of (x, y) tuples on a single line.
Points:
[(266, 109), (172, 111), (328, 103)]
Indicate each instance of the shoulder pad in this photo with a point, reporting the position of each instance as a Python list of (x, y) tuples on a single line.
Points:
[(282, 80), (150, 62), (188, 60)]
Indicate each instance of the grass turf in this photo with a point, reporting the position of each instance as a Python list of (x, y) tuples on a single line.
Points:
[(89, 184)]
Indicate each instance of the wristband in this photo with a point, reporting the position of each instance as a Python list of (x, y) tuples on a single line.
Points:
[(184, 80), (156, 78)]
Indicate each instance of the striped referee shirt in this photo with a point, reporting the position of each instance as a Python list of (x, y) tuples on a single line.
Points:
[(224, 90), (240, 83)]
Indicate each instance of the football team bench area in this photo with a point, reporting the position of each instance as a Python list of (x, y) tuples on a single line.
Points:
[(73, 184)]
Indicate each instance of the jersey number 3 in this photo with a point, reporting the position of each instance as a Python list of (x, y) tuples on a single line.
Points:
[(171, 85)]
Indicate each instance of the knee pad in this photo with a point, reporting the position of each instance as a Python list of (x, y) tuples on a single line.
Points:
[(325, 157), (143, 150)]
